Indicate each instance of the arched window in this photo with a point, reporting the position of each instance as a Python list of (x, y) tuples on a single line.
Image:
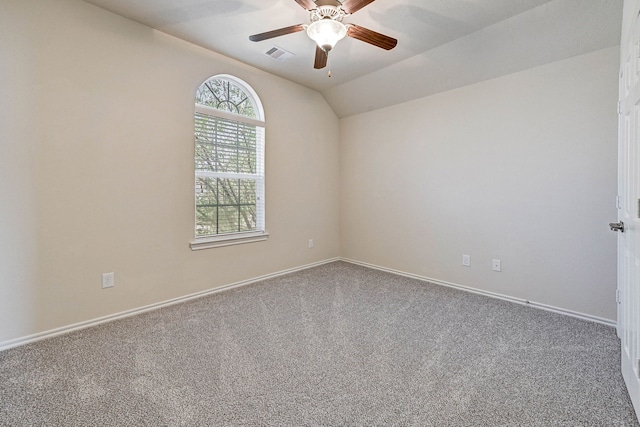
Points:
[(229, 164)]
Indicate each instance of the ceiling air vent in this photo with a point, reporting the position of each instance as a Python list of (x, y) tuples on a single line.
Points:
[(279, 54)]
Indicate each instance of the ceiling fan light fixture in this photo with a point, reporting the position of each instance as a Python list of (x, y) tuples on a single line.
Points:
[(326, 33)]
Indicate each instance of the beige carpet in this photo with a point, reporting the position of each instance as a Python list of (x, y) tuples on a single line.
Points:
[(333, 345)]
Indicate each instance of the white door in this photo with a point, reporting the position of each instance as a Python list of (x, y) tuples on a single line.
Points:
[(629, 201)]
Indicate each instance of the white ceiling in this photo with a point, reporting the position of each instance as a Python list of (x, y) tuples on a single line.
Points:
[(442, 44)]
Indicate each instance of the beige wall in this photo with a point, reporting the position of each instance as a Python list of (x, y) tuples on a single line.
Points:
[(520, 168), (96, 175), (96, 168)]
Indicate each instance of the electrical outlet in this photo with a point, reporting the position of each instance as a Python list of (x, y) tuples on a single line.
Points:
[(466, 260), (108, 280), (496, 265), (310, 243)]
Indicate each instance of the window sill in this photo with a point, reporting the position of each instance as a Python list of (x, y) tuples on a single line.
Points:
[(228, 240)]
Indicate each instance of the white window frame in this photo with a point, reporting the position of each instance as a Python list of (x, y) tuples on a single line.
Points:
[(260, 233)]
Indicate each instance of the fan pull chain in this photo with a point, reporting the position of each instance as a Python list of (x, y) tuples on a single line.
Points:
[(328, 65)]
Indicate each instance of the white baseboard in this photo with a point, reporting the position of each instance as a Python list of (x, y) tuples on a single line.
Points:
[(521, 301), (110, 318), (5, 345)]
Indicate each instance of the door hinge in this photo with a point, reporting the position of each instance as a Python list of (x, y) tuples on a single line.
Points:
[(618, 299), (619, 107), (618, 202)]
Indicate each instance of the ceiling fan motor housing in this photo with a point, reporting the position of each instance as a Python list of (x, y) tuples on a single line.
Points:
[(327, 9)]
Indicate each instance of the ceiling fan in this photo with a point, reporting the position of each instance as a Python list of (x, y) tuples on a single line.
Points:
[(326, 27)]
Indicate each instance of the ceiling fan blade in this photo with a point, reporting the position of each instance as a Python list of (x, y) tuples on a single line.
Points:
[(307, 4), (321, 58), (276, 33), (352, 6), (371, 37)]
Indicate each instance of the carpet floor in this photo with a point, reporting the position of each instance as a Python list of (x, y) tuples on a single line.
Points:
[(337, 344)]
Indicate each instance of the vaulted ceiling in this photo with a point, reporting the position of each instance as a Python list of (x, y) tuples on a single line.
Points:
[(442, 44)]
